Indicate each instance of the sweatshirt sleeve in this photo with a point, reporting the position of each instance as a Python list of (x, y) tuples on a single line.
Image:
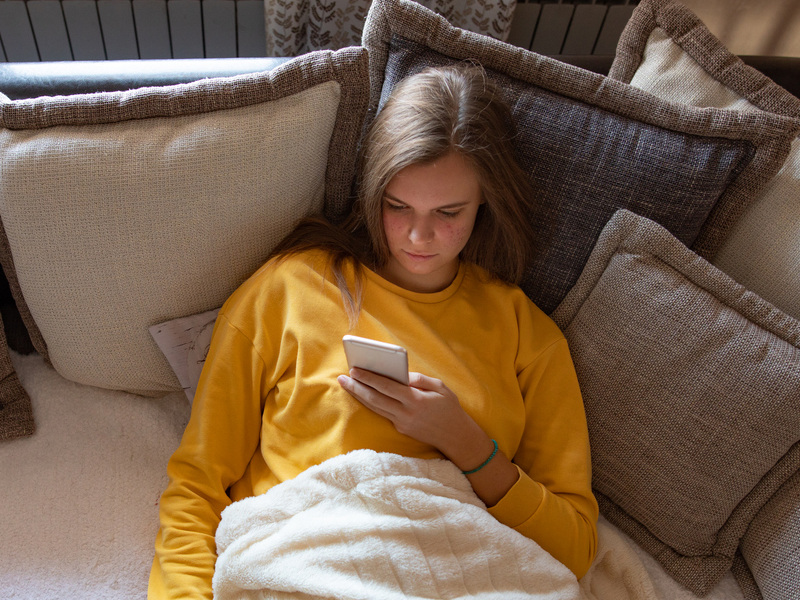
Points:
[(217, 446), (552, 502)]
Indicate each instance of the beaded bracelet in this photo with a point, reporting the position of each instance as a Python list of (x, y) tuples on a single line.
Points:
[(488, 460)]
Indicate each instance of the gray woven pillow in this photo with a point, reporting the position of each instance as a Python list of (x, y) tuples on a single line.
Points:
[(592, 145), (690, 384)]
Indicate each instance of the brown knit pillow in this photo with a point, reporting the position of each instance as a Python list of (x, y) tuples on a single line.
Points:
[(16, 412), (690, 384), (667, 51)]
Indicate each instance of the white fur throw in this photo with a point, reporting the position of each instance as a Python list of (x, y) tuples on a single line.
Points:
[(381, 526)]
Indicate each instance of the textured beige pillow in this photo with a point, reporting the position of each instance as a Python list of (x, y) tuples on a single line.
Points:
[(667, 51), (123, 210), (690, 384)]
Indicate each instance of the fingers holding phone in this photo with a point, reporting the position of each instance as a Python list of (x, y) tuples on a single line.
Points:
[(419, 406)]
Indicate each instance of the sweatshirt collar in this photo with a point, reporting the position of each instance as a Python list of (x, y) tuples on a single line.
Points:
[(426, 298)]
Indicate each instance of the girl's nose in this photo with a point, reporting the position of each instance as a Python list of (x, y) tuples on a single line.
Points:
[(421, 231)]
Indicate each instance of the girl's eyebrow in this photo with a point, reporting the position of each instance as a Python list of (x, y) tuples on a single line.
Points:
[(454, 205)]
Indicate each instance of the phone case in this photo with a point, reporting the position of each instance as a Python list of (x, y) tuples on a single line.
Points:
[(385, 359)]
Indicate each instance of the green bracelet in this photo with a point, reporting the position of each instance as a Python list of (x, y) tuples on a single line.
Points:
[(488, 460)]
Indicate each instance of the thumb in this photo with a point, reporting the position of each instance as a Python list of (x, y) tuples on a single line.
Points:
[(423, 382)]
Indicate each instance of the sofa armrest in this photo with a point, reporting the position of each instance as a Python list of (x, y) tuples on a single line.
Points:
[(30, 80)]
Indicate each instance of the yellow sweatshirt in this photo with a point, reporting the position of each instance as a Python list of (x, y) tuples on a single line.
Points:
[(268, 405)]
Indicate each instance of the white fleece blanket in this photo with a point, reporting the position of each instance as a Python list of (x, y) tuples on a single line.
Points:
[(381, 526)]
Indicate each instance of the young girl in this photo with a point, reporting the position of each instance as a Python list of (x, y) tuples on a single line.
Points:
[(428, 261)]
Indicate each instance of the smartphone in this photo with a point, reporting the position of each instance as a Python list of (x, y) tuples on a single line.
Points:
[(379, 357)]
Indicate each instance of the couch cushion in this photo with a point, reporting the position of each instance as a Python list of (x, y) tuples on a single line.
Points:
[(771, 546), (592, 145), (667, 51), (690, 385), (126, 209)]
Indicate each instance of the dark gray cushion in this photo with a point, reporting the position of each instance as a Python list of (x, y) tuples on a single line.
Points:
[(690, 384), (593, 145)]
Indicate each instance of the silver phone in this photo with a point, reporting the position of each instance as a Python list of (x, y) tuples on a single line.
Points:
[(385, 359)]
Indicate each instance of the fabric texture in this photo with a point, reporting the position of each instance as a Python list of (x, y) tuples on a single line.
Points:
[(771, 546), (744, 578), (667, 51), (185, 342), (690, 384), (125, 209), (298, 26), (16, 411), (268, 405), (591, 145), (381, 526)]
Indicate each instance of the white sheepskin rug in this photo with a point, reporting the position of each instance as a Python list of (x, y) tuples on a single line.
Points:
[(79, 498)]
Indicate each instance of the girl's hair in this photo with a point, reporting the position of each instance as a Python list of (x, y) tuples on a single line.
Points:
[(427, 116)]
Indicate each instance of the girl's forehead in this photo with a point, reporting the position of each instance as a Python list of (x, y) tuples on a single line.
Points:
[(448, 181)]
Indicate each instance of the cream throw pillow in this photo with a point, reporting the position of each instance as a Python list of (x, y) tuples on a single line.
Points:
[(762, 251), (116, 226)]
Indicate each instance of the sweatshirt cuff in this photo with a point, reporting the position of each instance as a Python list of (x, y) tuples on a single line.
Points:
[(520, 502)]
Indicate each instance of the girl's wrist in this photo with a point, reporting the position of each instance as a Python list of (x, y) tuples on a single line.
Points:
[(470, 448)]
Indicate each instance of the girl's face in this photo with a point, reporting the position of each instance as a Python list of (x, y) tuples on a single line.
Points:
[(428, 214)]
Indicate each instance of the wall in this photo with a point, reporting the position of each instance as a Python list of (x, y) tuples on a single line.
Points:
[(753, 27)]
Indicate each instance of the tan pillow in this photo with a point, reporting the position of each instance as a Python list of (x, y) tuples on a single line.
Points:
[(690, 384), (667, 51), (122, 210)]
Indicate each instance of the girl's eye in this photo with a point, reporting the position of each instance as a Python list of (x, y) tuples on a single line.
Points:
[(397, 207), (448, 214)]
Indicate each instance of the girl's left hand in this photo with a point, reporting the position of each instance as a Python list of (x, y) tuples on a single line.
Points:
[(426, 409)]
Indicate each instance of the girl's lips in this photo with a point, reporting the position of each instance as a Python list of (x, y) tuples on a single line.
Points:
[(419, 257)]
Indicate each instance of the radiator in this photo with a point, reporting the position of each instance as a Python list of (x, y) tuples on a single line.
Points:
[(55, 30), (570, 27), (52, 30)]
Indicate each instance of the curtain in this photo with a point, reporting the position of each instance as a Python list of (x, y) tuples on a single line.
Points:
[(298, 26)]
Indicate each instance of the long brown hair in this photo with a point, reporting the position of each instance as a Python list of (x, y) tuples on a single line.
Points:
[(427, 116)]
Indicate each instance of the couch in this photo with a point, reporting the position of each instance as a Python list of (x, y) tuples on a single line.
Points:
[(135, 196)]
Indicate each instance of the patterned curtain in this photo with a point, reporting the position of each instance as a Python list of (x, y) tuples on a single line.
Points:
[(298, 26)]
